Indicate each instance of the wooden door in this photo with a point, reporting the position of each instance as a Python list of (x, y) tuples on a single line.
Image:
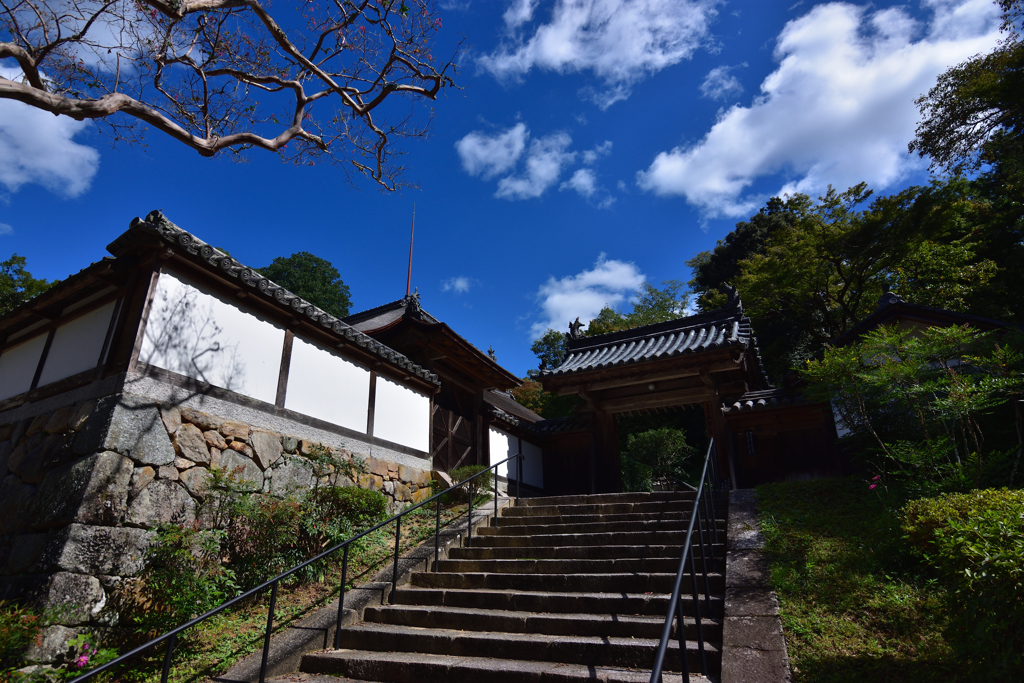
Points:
[(452, 431)]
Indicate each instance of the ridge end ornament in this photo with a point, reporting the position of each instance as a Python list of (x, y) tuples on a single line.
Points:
[(574, 329)]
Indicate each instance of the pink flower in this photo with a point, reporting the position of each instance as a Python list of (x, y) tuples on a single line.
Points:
[(877, 477), (872, 486), (437, 22), (82, 661)]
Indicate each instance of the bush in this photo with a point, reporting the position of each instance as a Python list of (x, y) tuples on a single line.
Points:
[(270, 535), (460, 494), (184, 577), (976, 542), (19, 627), (654, 454)]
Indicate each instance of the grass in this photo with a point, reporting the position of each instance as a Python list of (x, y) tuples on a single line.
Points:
[(213, 646), (855, 606)]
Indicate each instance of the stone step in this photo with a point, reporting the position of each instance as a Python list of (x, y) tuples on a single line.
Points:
[(646, 604), (571, 624), (581, 552), (603, 498), (593, 539), (664, 565), (428, 668), (591, 583), (596, 527), (649, 507), (521, 520), (589, 650)]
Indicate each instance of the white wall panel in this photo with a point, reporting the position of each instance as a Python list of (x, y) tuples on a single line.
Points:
[(401, 415), (18, 366), (326, 386), (77, 345), (196, 333), (505, 445)]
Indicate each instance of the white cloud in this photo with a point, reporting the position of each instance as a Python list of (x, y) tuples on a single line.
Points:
[(459, 285), (491, 155), (518, 13), (37, 147), (583, 181), (6, 229), (591, 156), (719, 84), (544, 162), (620, 41), (838, 109), (585, 294)]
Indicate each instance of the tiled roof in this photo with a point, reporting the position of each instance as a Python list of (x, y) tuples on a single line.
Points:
[(761, 400), (505, 403), (227, 266), (721, 328), (379, 316)]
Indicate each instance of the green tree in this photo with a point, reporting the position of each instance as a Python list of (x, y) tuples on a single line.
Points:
[(650, 305), (652, 455), (549, 349), (314, 279), (720, 266), (17, 285)]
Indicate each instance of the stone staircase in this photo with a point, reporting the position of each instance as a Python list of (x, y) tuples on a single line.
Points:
[(571, 588)]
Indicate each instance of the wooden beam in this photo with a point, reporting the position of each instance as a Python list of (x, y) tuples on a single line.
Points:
[(654, 400)]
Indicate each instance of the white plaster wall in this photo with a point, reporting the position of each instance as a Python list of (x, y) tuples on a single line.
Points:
[(77, 345), (18, 366), (196, 333), (401, 415), (326, 386), (505, 445)]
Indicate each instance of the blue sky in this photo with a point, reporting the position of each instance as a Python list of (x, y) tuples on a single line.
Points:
[(595, 144)]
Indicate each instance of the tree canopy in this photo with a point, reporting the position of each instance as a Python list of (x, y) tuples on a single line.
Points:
[(308, 82), (17, 284), (650, 305), (314, 279)]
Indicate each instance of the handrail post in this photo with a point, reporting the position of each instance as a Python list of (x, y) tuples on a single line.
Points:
[(270, 627), (437, 536), (495, 475), (341, 598), (469, 517), (697, 619), (167, 658), (704, 563), (394, 567), (519, 474)]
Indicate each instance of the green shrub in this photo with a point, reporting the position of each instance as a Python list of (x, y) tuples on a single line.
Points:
[(19, 627), (976, 542), (460, 494), (270, 535), (654, 454), (184, 577)]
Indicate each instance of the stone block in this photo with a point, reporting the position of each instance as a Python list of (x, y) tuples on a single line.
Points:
[(402, 492), (96, 550), (423, 478), (91, 490), (294, 475), (169, 472), (235, 430), (196, 480), (25, 553), (306, 447), (19, 430), (241, 447), (389, 488), (52, 643), (6, 431), (199, 419), (243, 469), (443, 480), (406, 473), (141, 477), (33, 458), (60, 420), (171, 418), (376, 482), (183, 464), (91, 434), (37, 424), (15, 498), (73, 598), (5, 454), (136, 430), (289, 443), (162, 502), (267, 446), (421, 495), (215, 457), (190, 444), (377, 467), (81, 416), (214, 439)]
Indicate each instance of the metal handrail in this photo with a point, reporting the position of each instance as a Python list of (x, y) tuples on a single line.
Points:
[(707, 543), (172, 636)]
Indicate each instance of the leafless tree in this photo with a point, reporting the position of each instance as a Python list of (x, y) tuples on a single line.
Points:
[(315, 81)]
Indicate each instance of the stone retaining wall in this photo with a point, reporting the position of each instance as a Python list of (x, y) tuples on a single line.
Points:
[(82, 487)]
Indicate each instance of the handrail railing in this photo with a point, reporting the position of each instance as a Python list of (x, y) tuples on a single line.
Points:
[(708, 481), (172, 636)]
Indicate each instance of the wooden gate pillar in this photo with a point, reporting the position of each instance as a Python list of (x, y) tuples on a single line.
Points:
[(606, 467)]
